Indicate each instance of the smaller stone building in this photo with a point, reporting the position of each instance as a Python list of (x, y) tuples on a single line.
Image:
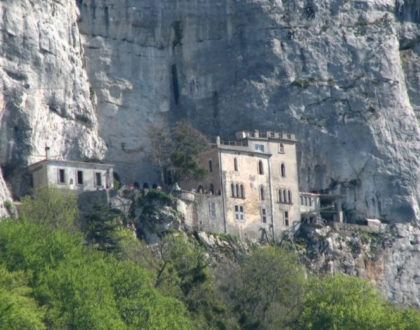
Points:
[(73, 175)]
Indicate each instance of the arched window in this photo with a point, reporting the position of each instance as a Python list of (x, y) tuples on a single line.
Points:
[(281, 148), (232, 188), (260, 167), (285, 196), (280, 196), (235, 164), (262, 193), (289, 194), (283, 170), (237, 190), (242, 191), (212, 188), (210, 165)]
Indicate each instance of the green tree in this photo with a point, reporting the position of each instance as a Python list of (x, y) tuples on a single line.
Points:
[(266, 289), (18, 310), (81, 288), (183, 272), (53, 207), (101, 226), (345, 302), (188, 143)]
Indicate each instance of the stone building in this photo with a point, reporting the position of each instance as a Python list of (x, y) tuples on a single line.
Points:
[(74, 175), (253, 184)]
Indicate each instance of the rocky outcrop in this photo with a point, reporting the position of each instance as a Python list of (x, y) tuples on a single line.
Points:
[(342, 75), (388, 257), (45, 97)]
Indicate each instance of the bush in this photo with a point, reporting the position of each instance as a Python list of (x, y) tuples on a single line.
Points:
[(53, 207)]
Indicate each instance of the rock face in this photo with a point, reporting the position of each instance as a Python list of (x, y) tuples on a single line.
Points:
[(44, 91), (388, 258), (342, 75)]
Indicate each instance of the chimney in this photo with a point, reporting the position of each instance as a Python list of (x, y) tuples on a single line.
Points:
[(47, 152)]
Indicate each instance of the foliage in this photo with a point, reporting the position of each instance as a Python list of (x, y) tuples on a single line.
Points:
[(18, 310), (266, 289), (183, 272), (100, 227), (188, 144), (344, 302), (53, 207), (81, 288), (177, 150)]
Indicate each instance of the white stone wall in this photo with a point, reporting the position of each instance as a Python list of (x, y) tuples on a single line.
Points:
[(47, 174)]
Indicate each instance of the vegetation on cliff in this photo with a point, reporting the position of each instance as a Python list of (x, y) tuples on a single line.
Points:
[(54, 275)]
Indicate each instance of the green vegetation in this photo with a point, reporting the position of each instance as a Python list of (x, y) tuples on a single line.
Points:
[(55, 276), (177, 150), (344, 302), (52, 207)]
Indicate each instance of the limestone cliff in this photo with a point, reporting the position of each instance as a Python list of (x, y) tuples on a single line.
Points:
[(44, 91), (342, 75), (388, 257)]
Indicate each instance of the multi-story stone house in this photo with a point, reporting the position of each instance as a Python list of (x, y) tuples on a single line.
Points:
[(253, 184), (252, 188)]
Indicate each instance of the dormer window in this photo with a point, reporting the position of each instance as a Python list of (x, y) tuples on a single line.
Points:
[(281, 148), (259, 147)]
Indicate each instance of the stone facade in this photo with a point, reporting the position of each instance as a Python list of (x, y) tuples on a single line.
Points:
[(252, 186), (78, 176)]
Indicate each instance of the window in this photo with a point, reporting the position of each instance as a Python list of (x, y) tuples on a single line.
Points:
[(284, 196), (310, 201), (280, 196), (210, 166), (212, 210), (263, 215), (301, 200), (260, 167), (283, 170), (80, 177), (98, 178), (61, 176), (235, 164), (281, 148), (262, 197), (289, 195), (238, 190), (259, 147), (239, 212), (286, 219)]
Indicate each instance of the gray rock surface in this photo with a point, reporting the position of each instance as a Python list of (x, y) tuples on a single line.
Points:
[(44, 90), (389, 259), (343, 75)]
